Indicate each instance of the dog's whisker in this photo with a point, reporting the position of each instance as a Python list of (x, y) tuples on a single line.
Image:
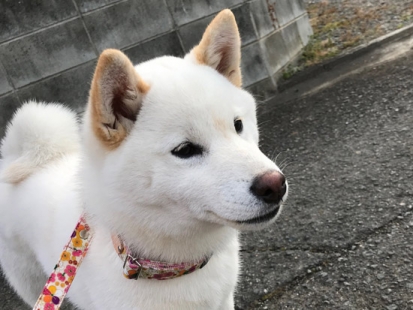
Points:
[(263, 122), (285, 165), (286, 162), (275, 160), (272, 157)]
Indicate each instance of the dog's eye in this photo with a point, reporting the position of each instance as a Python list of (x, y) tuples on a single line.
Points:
[(187, 150), (238, 125)]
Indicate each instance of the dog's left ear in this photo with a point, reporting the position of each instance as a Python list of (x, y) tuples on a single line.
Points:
[(220, 47), (116, 97)]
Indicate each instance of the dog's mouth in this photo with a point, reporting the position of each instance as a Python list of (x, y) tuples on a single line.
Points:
[(262, 218)]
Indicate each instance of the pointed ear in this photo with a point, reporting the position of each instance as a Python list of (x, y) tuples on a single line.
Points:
[(220, 47), (116, 97)]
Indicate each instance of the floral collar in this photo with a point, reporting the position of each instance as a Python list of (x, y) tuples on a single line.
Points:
[(139, 268)]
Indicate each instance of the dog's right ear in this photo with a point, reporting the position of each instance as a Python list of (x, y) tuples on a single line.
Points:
[(116, 97)]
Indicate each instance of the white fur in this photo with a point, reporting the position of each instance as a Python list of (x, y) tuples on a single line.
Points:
[(167, 208), (28, 146)]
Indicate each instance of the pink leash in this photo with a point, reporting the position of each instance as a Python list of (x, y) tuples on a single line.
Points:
[(64, 272)]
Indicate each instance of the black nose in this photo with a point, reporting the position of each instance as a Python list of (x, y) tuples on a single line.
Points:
[(269, 187)]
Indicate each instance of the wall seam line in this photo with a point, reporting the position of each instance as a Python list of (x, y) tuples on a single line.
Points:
[(28, 34), (87, 30)]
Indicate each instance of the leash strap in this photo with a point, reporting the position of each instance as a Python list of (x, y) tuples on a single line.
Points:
[(64, 272)]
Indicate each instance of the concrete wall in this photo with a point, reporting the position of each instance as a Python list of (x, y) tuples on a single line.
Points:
[(48, 48)]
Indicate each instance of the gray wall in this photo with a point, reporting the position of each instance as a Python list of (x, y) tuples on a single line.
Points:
[(48, 48)]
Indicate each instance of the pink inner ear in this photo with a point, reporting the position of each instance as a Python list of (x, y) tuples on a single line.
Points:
[(225, 62), (118, 103), (115, 98), (220, 47), (224, 45), (117, 89), (228, 63), (122, 87)]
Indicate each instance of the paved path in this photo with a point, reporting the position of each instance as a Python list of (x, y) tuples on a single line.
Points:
[(345, 240)]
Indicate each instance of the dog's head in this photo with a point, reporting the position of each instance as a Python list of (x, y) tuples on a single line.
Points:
[(176, 140)]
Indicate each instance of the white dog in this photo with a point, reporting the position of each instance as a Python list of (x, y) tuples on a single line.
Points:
[(167, 159)]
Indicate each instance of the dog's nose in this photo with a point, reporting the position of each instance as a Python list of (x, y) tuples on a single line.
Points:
[(269, 187)]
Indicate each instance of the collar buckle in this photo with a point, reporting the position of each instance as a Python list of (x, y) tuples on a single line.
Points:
[(131, 273)]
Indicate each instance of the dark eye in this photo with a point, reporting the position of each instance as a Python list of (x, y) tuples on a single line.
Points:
[(238, 125), (187, 150)]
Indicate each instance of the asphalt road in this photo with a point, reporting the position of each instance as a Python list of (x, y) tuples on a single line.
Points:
[(345, 239)]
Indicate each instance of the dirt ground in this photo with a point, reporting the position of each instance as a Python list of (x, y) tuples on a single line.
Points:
[(342, 25)]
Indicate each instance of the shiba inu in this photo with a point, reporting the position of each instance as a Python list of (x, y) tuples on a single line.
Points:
[(166, 159)]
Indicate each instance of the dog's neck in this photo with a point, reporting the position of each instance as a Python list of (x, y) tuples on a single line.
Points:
[(191, 244)]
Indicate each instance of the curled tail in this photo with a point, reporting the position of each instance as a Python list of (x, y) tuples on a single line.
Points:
[(37, 134)]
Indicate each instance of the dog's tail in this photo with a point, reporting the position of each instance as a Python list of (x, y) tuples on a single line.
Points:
[(37, 134)]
